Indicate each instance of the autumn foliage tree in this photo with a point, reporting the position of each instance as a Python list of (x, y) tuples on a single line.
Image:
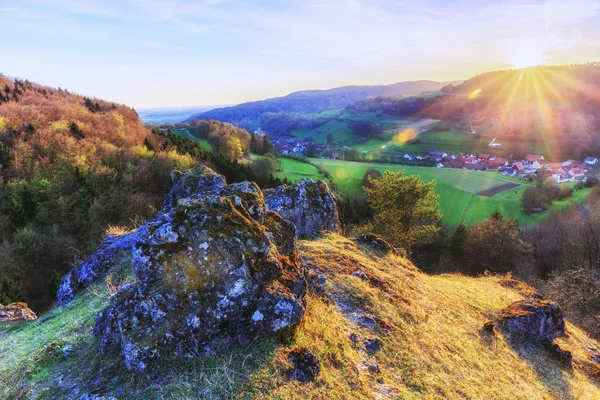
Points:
[(496, 245), (406, 209), (70, 166)]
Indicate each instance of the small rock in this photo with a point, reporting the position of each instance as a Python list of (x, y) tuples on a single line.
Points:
[(563, 356), (488, 328), (371, 367), (534, 319), (354, 338), (372, 345), (68, 349), (377, 244), (16, 312), (366, 322), (306, 366), (317, 282)]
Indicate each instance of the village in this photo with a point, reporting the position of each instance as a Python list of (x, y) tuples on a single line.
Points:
[(532, 167)]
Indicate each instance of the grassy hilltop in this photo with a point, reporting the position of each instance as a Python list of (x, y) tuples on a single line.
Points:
[(429, 328)]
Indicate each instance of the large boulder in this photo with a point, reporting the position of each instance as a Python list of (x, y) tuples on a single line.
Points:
[(111, 251), (214, 266), (534, 319), (309, 204), (16, 312)]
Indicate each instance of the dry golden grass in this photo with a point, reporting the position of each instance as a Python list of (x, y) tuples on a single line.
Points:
[(430, 328)]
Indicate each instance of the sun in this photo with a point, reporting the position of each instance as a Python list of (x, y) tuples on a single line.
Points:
[(526, 54)]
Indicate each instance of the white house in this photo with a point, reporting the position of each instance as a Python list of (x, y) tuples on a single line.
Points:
[(440, 165), (299, 148), (562, 178), (591, 161)]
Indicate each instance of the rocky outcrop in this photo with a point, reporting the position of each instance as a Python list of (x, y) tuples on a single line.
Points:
[(309, 204), (534, 319), (16, 312), (216, 265), (111, 251)]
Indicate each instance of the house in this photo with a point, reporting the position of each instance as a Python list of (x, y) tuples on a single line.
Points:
[(573, 163), (485, 156), (499, 162), (298, 148), (576, 172), (473, 166), (440, 165), (440, 154), (535, 161), (590, 161), (518, 166), (506, 170), (436, 158), (409, 156), (457, 156), (531, 158), (563, 177)]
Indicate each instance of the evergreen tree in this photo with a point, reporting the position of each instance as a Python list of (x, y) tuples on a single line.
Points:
[(406, 208)]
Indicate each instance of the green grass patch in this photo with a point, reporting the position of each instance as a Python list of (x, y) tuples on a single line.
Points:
[(295, 170), (185, 133)]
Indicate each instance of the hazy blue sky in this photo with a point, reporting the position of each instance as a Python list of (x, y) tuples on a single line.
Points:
[(149, 53)]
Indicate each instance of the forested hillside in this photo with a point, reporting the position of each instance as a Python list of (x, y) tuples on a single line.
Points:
[(72, 168), (247, 114), (538, 104)]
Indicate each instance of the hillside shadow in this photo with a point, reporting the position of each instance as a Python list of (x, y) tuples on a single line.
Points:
[(549, 370), (223, 374)]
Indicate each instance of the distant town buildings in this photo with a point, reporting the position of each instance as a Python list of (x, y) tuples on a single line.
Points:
[(528, 168)]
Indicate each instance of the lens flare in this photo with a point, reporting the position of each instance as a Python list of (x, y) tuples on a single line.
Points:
[(475, 93)]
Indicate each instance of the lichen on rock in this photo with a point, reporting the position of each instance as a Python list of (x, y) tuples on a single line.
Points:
[(309, 204), (534, 319), (214, 265), (110, 252)]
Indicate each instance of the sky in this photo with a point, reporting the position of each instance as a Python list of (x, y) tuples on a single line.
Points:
[(159, 53)]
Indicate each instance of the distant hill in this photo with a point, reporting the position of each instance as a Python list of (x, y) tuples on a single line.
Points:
[(308, 101), (171, 115), (557, 104)]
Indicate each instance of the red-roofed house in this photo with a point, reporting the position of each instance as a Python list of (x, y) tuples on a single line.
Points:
[(518, 166), (535, 161), (499, 162)]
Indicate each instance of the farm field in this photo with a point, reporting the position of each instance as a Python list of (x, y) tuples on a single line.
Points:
[(457, 190), (339, 123), (295, 170), (185, 133)]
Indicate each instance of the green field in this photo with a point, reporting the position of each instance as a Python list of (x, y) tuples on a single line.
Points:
[(295, 170), (457, 188), (185, 133), (337, 122)]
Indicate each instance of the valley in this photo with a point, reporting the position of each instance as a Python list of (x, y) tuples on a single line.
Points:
[(460, 190)]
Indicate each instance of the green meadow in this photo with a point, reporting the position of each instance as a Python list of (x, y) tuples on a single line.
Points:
[(457, 188), (185, 133), (295, 170)]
